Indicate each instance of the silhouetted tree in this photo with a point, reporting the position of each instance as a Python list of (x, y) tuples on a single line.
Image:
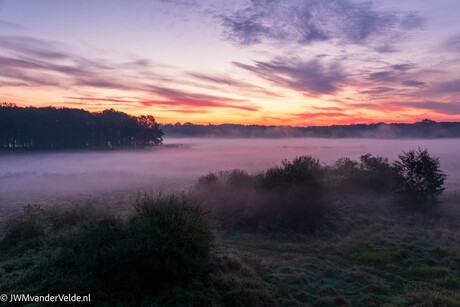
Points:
[(419, 180), (58, 128)]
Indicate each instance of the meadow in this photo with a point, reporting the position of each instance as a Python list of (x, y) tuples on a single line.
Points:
[(293, 222)]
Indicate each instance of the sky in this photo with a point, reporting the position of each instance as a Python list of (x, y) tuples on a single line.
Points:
[(267, 62)]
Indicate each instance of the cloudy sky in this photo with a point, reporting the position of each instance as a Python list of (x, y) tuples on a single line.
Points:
[(291, 62)]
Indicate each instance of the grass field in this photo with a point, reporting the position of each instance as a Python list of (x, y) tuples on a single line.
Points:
[(370, 260)]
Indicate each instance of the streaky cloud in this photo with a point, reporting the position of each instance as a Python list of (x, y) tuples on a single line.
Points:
[(175, 98), (10, 25), (402, 67), (449, 87), (452, 44), (413, 83), (35, 62), (452, 108), (310, 115), (328, 108), (412, 21), (32, 47), (309, 77), (377, 90), (382, 76), (178, 97)]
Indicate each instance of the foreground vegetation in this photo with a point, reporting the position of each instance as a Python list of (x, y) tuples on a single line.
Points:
[(294, 235)]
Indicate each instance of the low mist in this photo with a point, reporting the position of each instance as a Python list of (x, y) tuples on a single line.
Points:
[(52, 177)]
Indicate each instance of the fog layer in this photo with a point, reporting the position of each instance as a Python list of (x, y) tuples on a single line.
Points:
[(53, 177)]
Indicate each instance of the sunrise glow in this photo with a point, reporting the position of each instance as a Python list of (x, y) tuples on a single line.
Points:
[(297, 63)]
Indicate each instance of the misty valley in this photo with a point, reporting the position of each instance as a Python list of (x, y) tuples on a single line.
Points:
[(38, 177), (230, 153), (236, 222)]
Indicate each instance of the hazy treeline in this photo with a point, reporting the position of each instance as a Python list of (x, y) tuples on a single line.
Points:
[(59, 128), (423, 129)]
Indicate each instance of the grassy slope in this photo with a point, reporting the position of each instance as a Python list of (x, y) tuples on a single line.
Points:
[(371, 260)]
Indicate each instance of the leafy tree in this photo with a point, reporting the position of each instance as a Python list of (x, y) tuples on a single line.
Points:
[(59, 128), (419, 180)]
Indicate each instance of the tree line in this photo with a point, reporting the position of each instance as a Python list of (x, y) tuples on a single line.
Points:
[(423, 129), (62, 128)]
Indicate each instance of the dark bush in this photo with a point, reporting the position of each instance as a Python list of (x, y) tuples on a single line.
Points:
[(302, 170), (34, 226), (232, 194), (290, 196), (378, 174), (64, 217), (239, 178), (234, 178), (419, 180), (369, 175), (345, 176), (168, 239), (346, 166), (293, 195), (208, 179), (177, 233), (25, 227)]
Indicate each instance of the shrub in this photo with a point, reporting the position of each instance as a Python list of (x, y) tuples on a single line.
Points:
[(419, 180), (293, 194), (23, 228), (64, 217), (239, 178), (175, 231), (378, 174), (233, 178), (345, 176), (232, 195), (208, 179), (167, 239), (302, 170), (371, 175), (290, 196), (345, 166)]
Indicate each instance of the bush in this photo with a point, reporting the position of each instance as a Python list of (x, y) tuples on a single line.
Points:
[(290, 196), (419, 180), (175, 231), (24, 229), (232, 194), (378, 174), (293, 194), (302, 170), (233, 178), (370, 175), (168, 239), (35, 225), (345, 166), (59, 218)]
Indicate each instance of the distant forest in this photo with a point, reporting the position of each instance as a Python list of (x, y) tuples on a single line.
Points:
[(63, 128), (423, 129)]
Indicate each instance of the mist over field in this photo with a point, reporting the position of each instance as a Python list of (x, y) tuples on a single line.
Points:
[(44, 177)]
